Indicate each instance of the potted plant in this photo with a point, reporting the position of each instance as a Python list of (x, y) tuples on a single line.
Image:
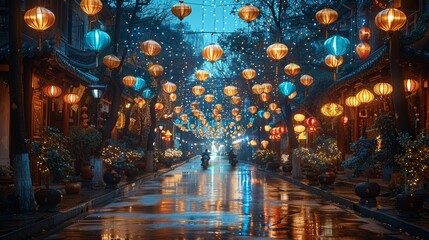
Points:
[(413, 162), (363, 163), (327, 158), (308, 164), (133, 156), (286, 165), (114, 158)]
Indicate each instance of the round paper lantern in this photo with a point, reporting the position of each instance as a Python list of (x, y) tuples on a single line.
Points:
[(306, 80), (264, 97), (52, 91), (333, 61), (281, 130), (215, 112), (150, 48), (267, 87), (97, 40), (272, 106), (390, 19), (202, 75), (299, 128), (337, 45), (111, 61), (248, 13), (292, 95), (230, 91), (196, 113), (332, 110), (257, 89), (129, 80), (264, 143), (299, 117), (344, 119), (363, 50), (364, 33), (156, 70), (235, 111), (169, 87), (292, 69), (267, 128), (253, 143), (140, 84), (91, 7), (253, 109), (235, 100), (159, 106), (212, 52), (218, 117), (352, 101), (71, 98), (218, 107), (278, 111), (198, 90), (326, 16), (172, 97), (147, 93), (177, 109), (286, 88), (209, 98), (383, 89), (411, 85), (266, 115), (365, 96), (311, 121), (194, 105), (39, 18), (141, 102), (184, 117), (248, 74), (181, 10), (277, 51)]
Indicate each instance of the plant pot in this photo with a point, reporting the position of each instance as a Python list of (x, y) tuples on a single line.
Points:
[(409, 204), (48, 199), (86, 174), (111, 179), (367, 191), (312, 177), (287, 168), (326, 180), (131, 174), (72, 188)]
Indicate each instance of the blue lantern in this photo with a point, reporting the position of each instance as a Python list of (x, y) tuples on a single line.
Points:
[(147, 94), (337, 45), (252, 119), (287, 88), (261, 113), (140, 83), (97, 40)]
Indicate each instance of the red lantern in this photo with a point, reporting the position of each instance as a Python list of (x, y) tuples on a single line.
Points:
[(311, 122), (344, 120), (363, 50)]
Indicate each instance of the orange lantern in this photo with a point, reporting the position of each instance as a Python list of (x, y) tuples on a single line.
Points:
[(253, 143), (91, 7), (198, 90), (292, 69), (264, 97), (333, 61), (169, 87), (257, 89), (292, 95), (352, 101), (365, 96), (194, 105), (71, 98), (172, 97), (383, 89), (202, 75), (156, 70), (277, 51), (253, 109), (411, 85), (218, 107), (248, 13), (238, 118), (212, 52), (235, 100), (278, 111), (267, 87), (332, 110), (363, 50), (159, 106), (306, 80), (264, 143), (248, 74), (266, 115), (235, 111), (364, 33), (326, 16), (299, 117), (129, 80), (390, 19), (230, 91), (218, 117), (52, 91), (281, 130), (39, 18), (209, 98), (272, 106), (111, 61), (184, 117), (150, 48), (181, 10)]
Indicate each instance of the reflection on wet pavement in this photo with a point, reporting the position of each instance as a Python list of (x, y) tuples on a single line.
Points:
[(223, 202)]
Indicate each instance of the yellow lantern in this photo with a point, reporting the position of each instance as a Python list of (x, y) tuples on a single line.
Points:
[(159, 106), (218, 117), (169, 87), (39, 18), (181, 10), (267, 128), (235, 111), (141, 102), (278, 111), (332, 110), (364, 33), (264, 97), (277, 51), (411, 85), (292, 95), (178, 109), (363, 50), (248, 13), (198, 90), (230, 91), (390, 19), (253, 143), (272, 106), (218, 107), (352, 101), (326, 16), (52, 91), (248, 74), (238, 118), (150, 48), (383, 89), (267, 87), (120, 123), (71, 98), (235, 100), (202, 75), (156, 70), (129, 80), (111, 61), (299, 128), (194, 105), (209, 98), (91, 7), (306, 80), (333, 61), (212, 52), (172, 97), (257, 89), (266, 115), (365, 96), (292, 69), (299, 117), (184, 117), (264, 143), (253, 109)]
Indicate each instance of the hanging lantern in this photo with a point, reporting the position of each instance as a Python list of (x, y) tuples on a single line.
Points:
[(278, 111), (326, 16), (248, 13), (238, 118), (365, 96), (91, 7), (292, 95), (281, 130), (184, 117), (198, 90), (299, 117), (159, 106), (264, 144), (230, 91), (306, 80), (411, 85), (235, 111), (52, 91), (181, 10), (257, 89), (202, 75), (172, 97), (194, 105), (264, 97), (311, 121), (169, 87), (156, 70), (129, 80), (267, 128), (333, 61), (215, 112), (218, 107), (39, 18), (272, 106), (352, 101), (218, 117), (111, 61), (248, 74), (97, 40), (337, 45), (292, 69), (253, 109), (363, 50), (71, 98), (266, 115), (344, 119), (299, 128), (147, 93), (383, 89), (287, 88), (140, 84), (267, 87), (235, 100), (364, 33), (196, 113), (390, 19), (212, 52), (209, 98), (150, 48), (277, 51), (253, 143), (140, 102), (332, 110)]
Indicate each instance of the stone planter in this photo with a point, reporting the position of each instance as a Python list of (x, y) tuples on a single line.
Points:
[(111, 179), (326, 180), (72, 188), (48, 199), (409, 204), (367, 191), (131, 174)]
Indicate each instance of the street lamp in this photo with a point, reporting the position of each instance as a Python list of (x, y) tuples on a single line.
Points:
[(96, 90)]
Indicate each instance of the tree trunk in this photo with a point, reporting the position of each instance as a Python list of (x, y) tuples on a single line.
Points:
[(152, 135), (23, 184), (293, 142)]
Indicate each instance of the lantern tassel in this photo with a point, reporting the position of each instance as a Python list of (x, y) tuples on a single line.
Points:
[(277, 68)]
